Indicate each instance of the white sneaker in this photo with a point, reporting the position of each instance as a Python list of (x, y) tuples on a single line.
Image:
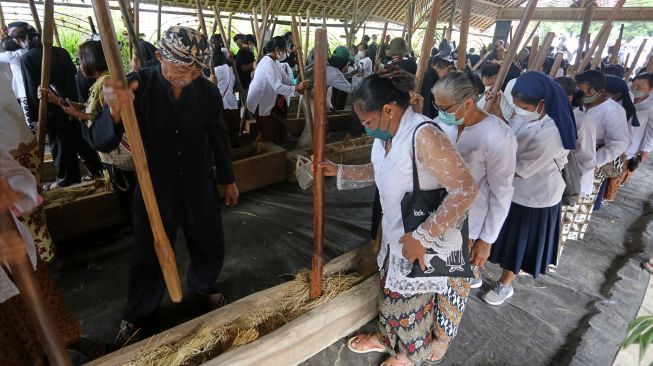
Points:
[(498, 294), (476, 282)]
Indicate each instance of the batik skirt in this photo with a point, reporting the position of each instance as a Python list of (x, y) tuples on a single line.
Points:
[(421, 325)]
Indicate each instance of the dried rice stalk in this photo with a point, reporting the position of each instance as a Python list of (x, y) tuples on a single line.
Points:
[(62, 196)]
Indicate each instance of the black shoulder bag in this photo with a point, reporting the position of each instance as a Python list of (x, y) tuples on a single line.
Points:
[(416, 207)]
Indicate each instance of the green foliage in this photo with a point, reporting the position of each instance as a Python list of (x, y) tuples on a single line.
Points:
[(70, 41), (640, 331), (631, 30)]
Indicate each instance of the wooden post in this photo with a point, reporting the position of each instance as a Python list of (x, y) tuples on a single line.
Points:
[(377, 59), (308, 35), (46, 39), (614, 57), (158, 19), (512, 51), (35, 16), (129, 24), (556, 65), (33, 299), (90, 23), (542, 53), (410, 30), (596, 60), (530, 36), (464, 32), (319, 139), (532, 57), (162, 247), (590, 9), (200, 16), (630, 71), (137, 18), (301, 63), (427, 44), (606, 26), (55, 33), (452, 16)]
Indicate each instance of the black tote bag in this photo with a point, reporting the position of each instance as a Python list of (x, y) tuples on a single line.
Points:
[(416, 207)]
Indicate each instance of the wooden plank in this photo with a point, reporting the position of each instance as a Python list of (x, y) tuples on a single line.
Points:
[(363, 258), (270, 168)]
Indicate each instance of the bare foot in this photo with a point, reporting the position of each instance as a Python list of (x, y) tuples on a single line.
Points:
[(365, 343), (400, 360)]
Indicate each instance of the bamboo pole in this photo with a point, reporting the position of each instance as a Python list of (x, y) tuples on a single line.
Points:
[(630, 71), (257, 33), (606, 26), (3, 24), (218, 22), (377, 59), (452, 16), (324, 19), (556, 65), (33, 299), (137, 18), (464, 33), (228, 40), (590, 9), (162, 247), (530, 36), (596, 60), (35, 16), (90, 23), (129, 24), (614, 57), (429, 39), (158, 19), (319, 139), (626, 63), (55, 33), (512, 51), (481, 61), (46, 67), (409, 30), (542, 52), (301, 64), (274, 26), (308, 34), (649, 63), (509, 34), (200, 16), (354, 20), (532, 57)]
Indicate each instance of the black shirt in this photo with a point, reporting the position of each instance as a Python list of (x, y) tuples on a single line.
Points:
[(473, 59), (245, 56), (372, 50), (407, 65), (182, 139)]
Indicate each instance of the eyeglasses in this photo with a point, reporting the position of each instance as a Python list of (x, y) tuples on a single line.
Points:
[(444, 109)]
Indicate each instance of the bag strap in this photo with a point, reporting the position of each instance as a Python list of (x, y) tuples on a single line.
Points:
[(415, 174)]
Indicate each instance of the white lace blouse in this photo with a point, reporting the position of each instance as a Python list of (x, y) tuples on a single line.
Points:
[(439, 166)]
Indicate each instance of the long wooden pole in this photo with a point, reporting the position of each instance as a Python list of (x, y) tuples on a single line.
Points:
[(464, 33), (649, 63), (162, 247), (308, 34), (481, 61), (158, 19), (429, 39), (3, 24), (377, 59), (200, 16), (55, 33), (35, 16), (532, 57), (354, 21), (228, 40), (452, 16), (596, 60), (634, 64), (512, 51), (531, 35), (301, 63), (590, 9), (33, 298), (90, 23), (556, 65), (597, 40), (319, 139), (614, 57), (543, 52), (274, 26), (46, 39), (131, 32), (137, 18)]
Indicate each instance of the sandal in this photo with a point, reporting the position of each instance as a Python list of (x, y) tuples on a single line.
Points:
[(393, 361), (50, 186), (361, 339), (647, 266)]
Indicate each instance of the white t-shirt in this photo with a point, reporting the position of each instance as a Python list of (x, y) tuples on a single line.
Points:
[(226, 82), (13, 59), (641, 138), (585, 150), (612, 133), (268, 82)]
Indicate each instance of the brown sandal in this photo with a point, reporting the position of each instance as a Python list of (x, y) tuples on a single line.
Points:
[(361, 339)]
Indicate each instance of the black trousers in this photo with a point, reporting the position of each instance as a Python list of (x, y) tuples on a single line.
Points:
[(65, 139), (202, 228), (124, 183), (377, 214)]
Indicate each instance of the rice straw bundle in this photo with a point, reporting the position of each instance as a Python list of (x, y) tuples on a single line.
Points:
[(208, 342), (64, 195)]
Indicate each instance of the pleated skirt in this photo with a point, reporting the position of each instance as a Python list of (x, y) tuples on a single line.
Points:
[(528, 240)]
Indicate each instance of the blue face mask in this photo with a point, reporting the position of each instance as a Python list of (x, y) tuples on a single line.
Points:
[(378, 134), (449, 119)]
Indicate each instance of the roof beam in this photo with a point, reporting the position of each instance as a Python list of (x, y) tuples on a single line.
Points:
[(633, 14)]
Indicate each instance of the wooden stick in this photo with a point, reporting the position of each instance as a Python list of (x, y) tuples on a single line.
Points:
[(542, 52), (464, 32), (626, 63), (324, 19), (530, 36), (377, 59), (158, 19), (46, 39), (630, 71), (308, 35), (532, 57), (481, 61), (319, 139), (649, 64), (301, 63), (354, 20), (129, 24), (3, 24), (137, 18), (590, 9), (218, 21), (614, 57), (229, 32), (55, 32), (90, 23), (161, 243), (556, 65), (452, 16), (596, 60), (200, 16), (33, 299), (257, 33), (606, 26), (509, 34), (274, 26), (35, 16), (427, 44), (512, 51)]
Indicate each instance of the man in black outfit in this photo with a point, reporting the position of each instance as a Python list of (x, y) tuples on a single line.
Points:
[(245, 59), (64, 135), (180, 115)]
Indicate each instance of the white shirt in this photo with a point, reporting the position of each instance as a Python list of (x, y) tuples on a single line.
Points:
[(612, 133), (365, 66), (335, 79), (490, 149), (540, 158), (15, 136), (286, 68), (641, 138), (585, 150), (505, 104), (13, 59), (269, 81), (226, 83)]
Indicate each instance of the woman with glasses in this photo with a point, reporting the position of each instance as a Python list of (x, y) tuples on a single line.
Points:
[(489, 147)]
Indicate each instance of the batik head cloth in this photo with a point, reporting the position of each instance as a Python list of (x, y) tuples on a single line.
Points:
[(185, 46)]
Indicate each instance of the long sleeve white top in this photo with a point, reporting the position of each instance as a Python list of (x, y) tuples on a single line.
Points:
[(226, 82), (540, 158), (585, 150), (269, 81), (490, 149), (612, 135), (19, 180), (641, 138), (13, 59)]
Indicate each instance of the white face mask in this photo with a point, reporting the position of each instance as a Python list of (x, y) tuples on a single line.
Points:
[(361, 54), (528, 115), (282, 56), (638, 94)]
